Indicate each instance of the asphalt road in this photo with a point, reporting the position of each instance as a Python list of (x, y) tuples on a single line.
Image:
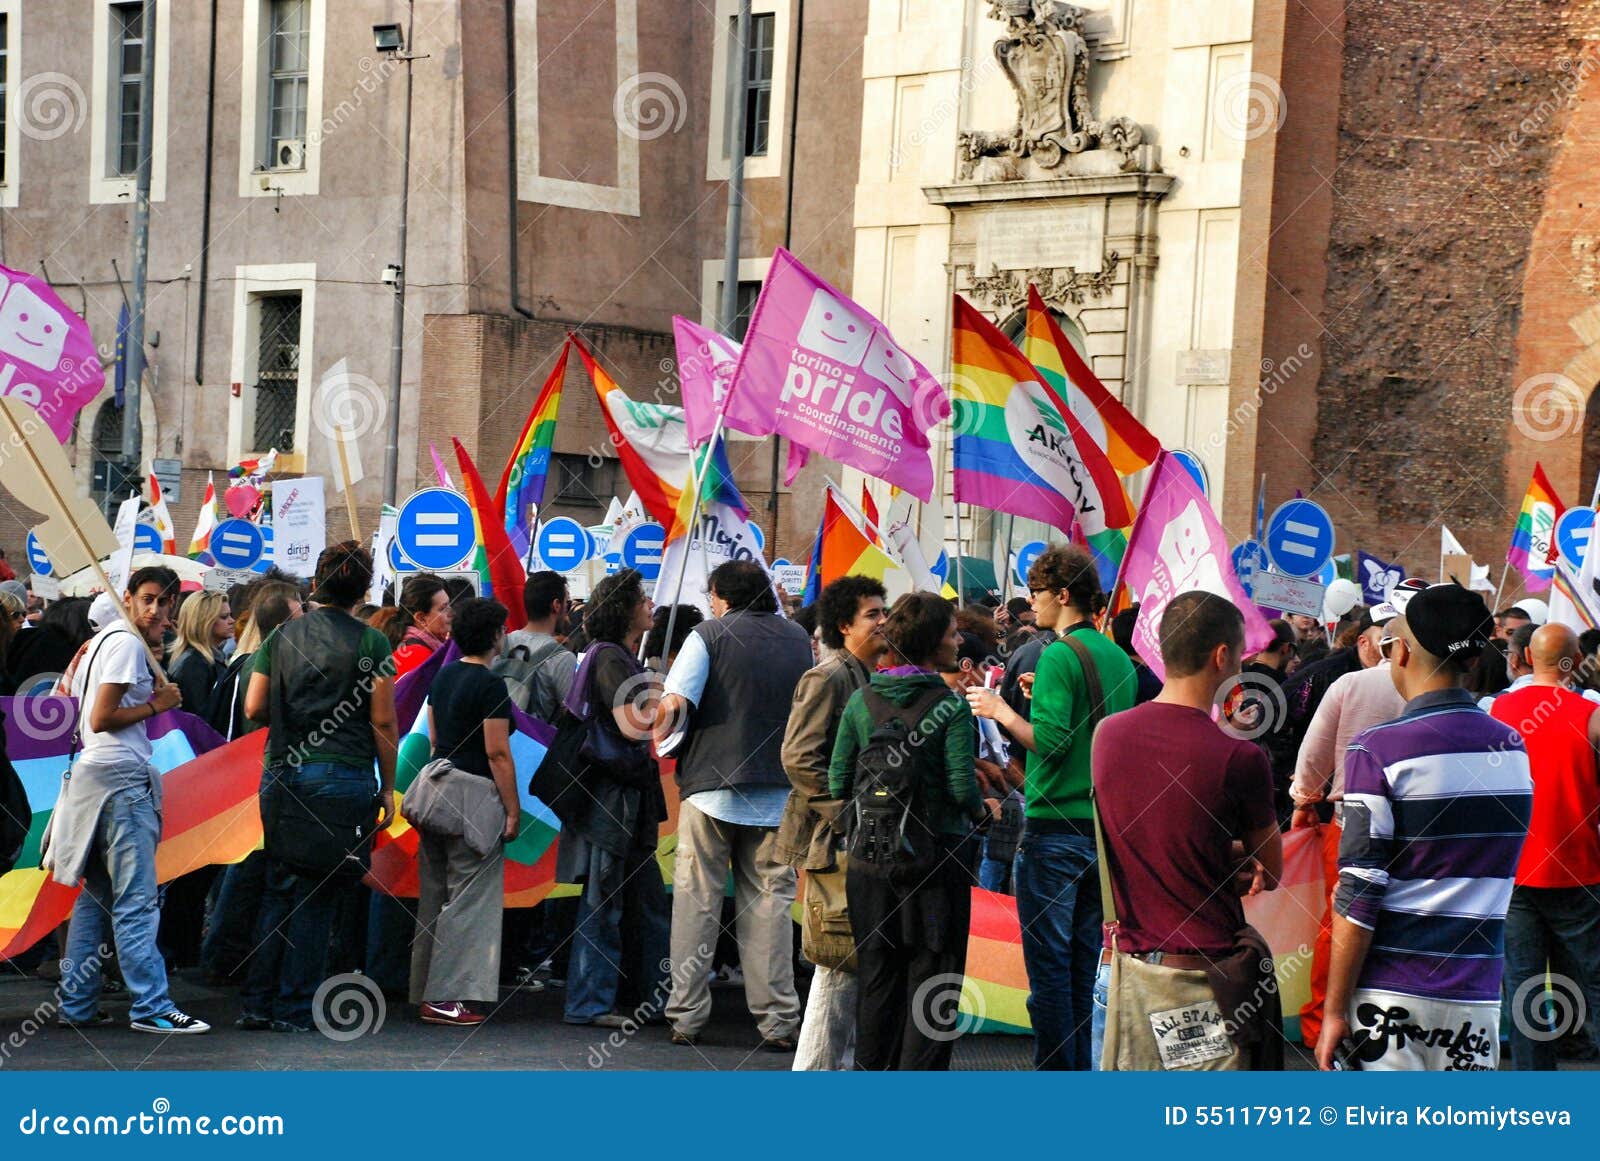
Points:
[(524, 1032)]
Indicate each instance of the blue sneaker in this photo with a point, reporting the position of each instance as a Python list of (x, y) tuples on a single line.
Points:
[(170, 1023)]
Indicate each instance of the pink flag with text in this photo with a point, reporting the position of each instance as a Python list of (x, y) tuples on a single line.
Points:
[(47, 355), (705, 369), (1177, 545), (819, 369)]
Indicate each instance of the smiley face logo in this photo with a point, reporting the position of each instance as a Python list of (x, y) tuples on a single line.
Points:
[(30, 329), (890, 365), (834, 331)]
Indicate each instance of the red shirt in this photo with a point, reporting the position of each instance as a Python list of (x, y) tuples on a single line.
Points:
[(1174, 792), (1563, 845)]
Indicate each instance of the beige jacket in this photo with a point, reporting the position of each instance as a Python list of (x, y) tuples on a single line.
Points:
[(805, 836)]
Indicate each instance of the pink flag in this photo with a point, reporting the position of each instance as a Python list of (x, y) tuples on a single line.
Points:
[(705, 369), (439, 469), (1178, 545), (47, 355), (819, 369)]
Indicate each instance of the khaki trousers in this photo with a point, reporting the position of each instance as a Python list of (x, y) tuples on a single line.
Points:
[(455, 956), (764, 890)]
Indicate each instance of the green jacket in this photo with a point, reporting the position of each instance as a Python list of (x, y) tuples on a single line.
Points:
[(1057, 783), (952, 800)]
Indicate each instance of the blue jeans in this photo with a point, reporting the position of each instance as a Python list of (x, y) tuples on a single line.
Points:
[(231, 928), (1058, 904), (119, 892), (295, 925), (1558, 928), (1102, 990), (596, 966)]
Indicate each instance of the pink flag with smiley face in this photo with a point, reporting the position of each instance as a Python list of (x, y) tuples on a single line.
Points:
[(1177, 545), (819, 369), (47, 354)]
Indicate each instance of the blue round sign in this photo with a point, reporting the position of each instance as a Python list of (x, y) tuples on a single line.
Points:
[(563, 544), (643, 548), (266, 561), (781, 562), (941, 567), (435, 529), (1026, 555), (1249, 559), (237, 544), (397, 559), (146, 538), (1573, 532), (1299, 538), (1196, 469), (38, 559)]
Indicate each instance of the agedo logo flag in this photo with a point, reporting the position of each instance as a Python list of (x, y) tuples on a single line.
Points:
[(819, 369)]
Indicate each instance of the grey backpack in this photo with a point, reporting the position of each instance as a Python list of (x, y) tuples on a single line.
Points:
[(530, 688)]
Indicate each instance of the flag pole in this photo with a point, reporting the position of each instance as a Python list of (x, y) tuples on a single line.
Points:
[(961, 579), (348, 489), (1506, 568), (697, 473)]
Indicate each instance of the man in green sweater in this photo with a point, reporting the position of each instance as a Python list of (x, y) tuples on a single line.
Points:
[(1058, 893)]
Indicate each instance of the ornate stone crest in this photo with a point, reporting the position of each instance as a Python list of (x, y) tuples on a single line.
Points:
[(1046, 59), (1007, 290)]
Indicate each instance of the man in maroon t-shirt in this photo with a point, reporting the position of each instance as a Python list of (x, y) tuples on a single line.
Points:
[(1188, 819)]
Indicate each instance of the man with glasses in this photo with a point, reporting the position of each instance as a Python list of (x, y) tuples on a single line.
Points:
[(1436, 809)]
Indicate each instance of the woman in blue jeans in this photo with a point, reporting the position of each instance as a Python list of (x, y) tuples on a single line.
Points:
[(324, 684), (609, 846)]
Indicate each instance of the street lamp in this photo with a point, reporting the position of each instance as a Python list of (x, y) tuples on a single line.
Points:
[(388, 40)]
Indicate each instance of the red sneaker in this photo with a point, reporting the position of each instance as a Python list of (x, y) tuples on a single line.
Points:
[(454, 1013)]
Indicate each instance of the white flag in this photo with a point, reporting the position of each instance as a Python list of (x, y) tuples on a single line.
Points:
[(722, 535), (120, 566), (1448, 544), (344, 407)]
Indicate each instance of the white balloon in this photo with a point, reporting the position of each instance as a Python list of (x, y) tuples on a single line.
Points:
[(1340, 597)]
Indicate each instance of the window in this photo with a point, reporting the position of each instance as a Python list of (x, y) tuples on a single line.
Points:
[(127, 63), (288, 83), (109, 480), (758, 81), (745, 298), (277, 371), (582, 482)]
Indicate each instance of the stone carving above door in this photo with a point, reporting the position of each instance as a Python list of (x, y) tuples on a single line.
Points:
[(1004, 291), (1046, 59)]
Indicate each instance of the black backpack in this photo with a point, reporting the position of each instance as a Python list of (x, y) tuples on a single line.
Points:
[(889, 835)]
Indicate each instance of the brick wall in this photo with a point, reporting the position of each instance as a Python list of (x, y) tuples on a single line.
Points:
[(1441, 178)]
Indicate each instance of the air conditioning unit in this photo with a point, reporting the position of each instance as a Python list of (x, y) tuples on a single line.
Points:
[(290, 154)]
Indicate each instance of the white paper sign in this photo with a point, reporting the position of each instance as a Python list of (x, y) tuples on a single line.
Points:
[(1290, 594), (220, 580), (792, 577), (120, 566), (46, 588), (299, 524)]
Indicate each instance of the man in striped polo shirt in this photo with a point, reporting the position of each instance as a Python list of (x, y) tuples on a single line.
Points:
[(1436, 808)]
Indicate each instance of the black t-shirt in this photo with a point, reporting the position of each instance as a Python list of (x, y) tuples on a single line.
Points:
[(613, 668), (463, 697)]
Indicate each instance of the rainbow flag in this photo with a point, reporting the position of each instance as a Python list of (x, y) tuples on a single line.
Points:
[(843, 549), (209, 812), (652, 440), (495, 560), (1126, 442), (1020, 449), (522, 483), (1531, 539)]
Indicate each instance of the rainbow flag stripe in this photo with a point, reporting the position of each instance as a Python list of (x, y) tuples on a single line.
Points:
[(1011, 428), (1535, 530), (522, 484), (1126, 442), (845, 550), (494, 558), (716, 486)]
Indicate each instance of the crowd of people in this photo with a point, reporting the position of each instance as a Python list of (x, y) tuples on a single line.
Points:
[(899, 755)]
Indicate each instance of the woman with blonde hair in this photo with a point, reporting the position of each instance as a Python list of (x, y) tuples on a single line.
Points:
[(204, 624)]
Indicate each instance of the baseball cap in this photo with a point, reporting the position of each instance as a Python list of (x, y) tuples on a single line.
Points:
[(103, 610), (1449, 622)]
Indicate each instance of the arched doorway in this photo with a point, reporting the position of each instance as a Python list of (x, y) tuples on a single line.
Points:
[(1589, 468), (107, 479)]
